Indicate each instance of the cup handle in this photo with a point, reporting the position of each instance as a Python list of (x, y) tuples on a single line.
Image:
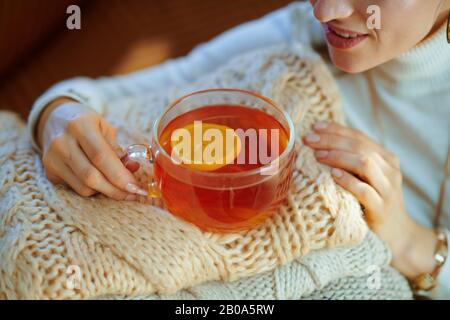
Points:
[(139, 159)]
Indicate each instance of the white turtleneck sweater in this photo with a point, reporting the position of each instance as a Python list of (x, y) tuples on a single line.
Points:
[(411, 94)]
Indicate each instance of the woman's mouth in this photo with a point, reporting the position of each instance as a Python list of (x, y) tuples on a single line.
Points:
[(343, 39)]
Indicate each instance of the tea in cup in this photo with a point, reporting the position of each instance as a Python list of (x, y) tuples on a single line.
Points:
[(220, 159)]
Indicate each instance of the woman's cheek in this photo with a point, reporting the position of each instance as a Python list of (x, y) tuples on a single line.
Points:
[(405, 23)]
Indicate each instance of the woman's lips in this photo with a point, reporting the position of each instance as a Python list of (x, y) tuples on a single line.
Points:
[(343, 39)]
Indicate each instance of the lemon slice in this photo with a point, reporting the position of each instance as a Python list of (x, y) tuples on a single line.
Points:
[(205, 146)]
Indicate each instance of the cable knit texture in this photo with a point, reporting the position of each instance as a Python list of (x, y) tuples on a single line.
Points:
[(137, 250)]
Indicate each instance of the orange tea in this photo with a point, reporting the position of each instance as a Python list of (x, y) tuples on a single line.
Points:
[(221, 197), (219, 158)]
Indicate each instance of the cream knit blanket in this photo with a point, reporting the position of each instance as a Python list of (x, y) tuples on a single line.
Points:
[(50, 238)]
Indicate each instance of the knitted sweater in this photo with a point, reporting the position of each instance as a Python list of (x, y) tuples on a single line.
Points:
[(344, 273), (136, 250)]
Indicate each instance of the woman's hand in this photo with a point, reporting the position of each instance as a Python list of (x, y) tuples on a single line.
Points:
[(372, 174), (79, 149)]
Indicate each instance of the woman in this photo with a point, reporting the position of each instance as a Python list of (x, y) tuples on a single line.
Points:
[(395, 83)]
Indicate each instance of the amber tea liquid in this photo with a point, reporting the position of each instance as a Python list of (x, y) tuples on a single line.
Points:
[(217, 208)]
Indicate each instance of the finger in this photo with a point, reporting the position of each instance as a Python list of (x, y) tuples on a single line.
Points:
[(66, 174), (55, 179), (366, 168), (109, 132), (365, 194), (335, 128), (326, 141), (131, 165), (106, 161), (90, 176), (57, 172)]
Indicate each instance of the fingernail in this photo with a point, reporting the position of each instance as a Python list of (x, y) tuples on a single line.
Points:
[(320, 125), (321, 154), (312, 137), (120, 152), (131, 188), (337, 173)]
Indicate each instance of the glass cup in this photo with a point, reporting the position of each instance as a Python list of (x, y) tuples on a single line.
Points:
[(216, 201)]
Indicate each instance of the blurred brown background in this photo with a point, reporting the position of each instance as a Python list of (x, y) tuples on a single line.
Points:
[(116, 37)]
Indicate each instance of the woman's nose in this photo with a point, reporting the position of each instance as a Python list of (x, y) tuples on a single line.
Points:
[(328, 10)]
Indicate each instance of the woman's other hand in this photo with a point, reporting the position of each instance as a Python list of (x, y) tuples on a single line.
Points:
[(372, 174), (79, 150)]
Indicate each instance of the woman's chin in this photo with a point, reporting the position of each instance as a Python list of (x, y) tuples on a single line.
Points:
[(349, 62)]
